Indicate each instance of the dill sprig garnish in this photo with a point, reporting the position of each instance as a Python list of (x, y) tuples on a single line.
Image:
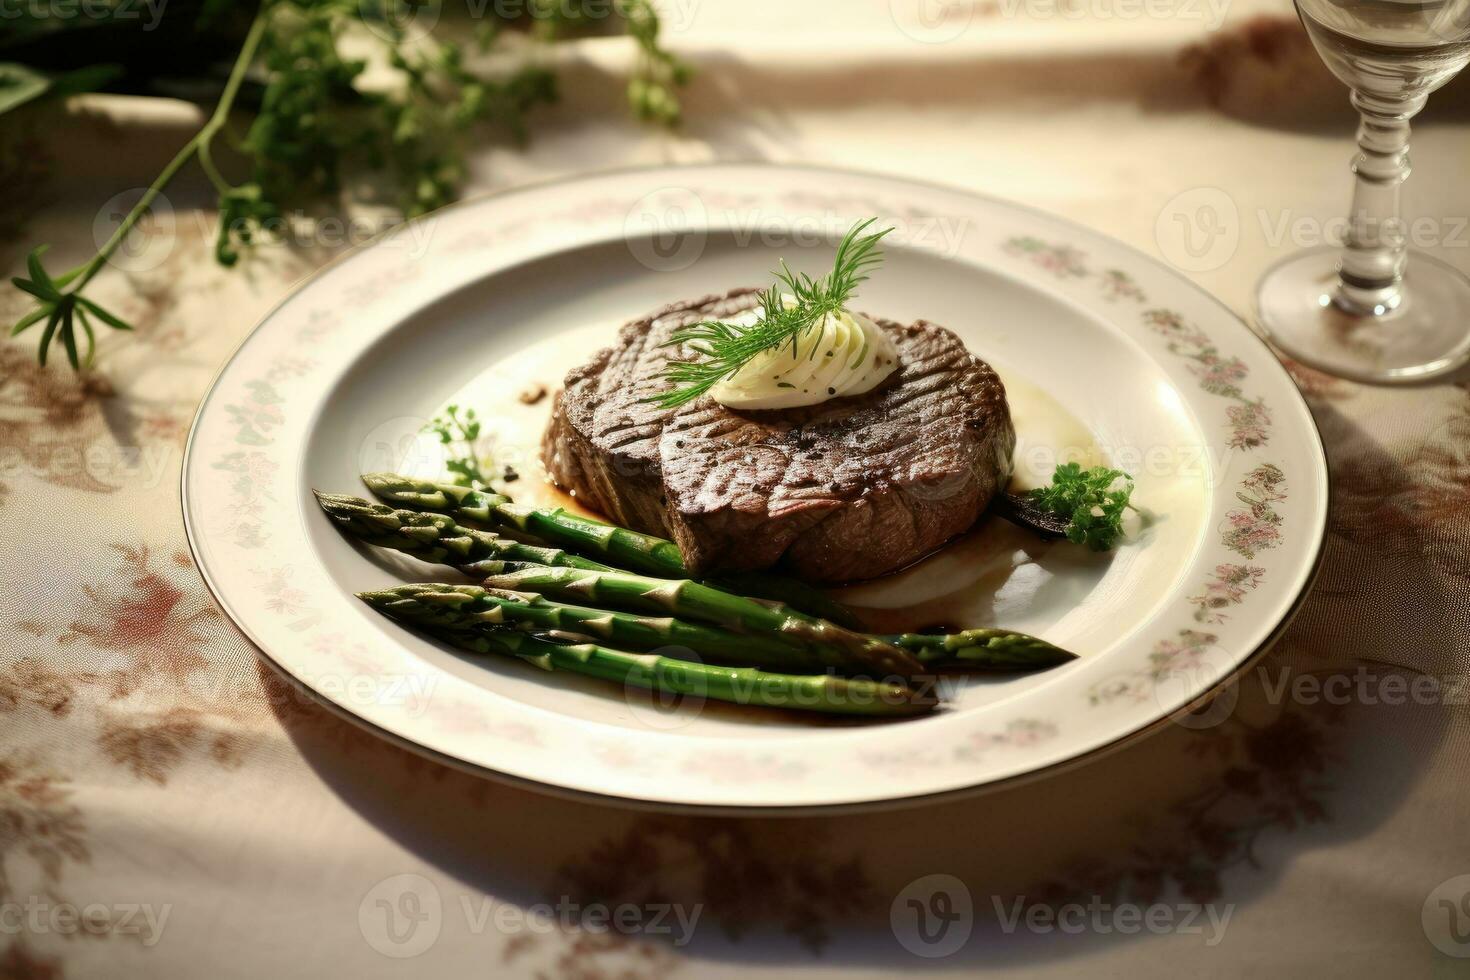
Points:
[(724, 348)]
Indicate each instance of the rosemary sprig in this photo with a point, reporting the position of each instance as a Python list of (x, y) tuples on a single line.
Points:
[(795, 304)]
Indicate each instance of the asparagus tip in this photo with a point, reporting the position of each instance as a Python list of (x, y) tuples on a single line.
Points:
[(338, 501), (385, 482)]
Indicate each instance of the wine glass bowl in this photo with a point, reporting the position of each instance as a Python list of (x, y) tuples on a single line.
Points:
[(1389, 47), (1372, 310)]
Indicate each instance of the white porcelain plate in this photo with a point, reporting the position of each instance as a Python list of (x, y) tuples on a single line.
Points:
[(1107, 355)]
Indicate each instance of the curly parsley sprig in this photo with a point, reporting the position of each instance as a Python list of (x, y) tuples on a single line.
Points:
[(795, 304), (1093, 500)]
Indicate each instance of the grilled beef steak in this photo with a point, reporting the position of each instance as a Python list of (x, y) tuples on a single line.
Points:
[(845, 490)]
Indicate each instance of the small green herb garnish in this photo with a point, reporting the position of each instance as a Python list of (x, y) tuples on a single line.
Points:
[(1093, 500), (725, 348), (460, 431)]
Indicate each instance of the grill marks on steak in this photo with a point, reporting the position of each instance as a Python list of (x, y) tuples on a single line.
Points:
[(848, 489), (851, 488), (603, 441)]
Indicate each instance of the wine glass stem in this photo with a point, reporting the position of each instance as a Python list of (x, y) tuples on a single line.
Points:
[(1374, 252)]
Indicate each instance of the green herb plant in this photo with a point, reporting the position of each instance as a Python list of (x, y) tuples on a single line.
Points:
[(459, 432), (313, 119), (794, 305), (1093, 500), (651, 89)]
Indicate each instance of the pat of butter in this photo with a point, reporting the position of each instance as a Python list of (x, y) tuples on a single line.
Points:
[(845, 354)]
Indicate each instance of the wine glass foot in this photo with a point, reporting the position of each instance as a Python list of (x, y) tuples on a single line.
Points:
[(1426, 335)]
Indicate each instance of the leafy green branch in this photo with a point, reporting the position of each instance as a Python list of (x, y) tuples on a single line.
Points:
[(312, 119), (64, 308), (659, 73)]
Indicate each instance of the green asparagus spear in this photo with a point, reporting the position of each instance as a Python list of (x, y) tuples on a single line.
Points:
[(740, 685), (788, 591), (435, 537), (637, 552), (470, 607), (838, 647), (640, 552), (982, 649)]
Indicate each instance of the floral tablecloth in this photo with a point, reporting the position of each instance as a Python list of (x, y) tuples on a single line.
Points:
[(170, 808)]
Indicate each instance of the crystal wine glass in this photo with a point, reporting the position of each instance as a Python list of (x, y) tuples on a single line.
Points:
[(1373, 310)]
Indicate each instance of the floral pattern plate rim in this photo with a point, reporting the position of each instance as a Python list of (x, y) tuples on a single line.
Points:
[(258, 539)]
